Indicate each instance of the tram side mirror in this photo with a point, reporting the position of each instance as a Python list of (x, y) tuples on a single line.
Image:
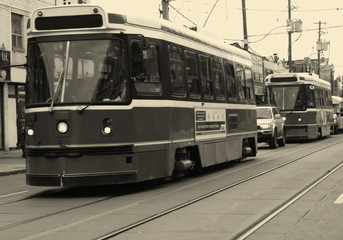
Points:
[(4, 71)]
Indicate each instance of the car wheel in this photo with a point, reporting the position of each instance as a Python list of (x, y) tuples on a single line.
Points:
[(273, 142), (282, 142)]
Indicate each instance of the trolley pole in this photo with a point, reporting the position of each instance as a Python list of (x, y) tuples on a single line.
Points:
[(290, 64)]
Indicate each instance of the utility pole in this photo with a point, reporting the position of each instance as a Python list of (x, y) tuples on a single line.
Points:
[(165, 9), (319, 45), (290, 64), (245, 31)]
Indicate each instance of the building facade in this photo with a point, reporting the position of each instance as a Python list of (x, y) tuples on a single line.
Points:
[(13, 19)]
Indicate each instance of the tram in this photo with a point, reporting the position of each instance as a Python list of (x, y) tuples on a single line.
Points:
[(306, 102), (337, 103), (112, 99)]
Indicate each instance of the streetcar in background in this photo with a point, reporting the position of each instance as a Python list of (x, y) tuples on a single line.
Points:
[(305, 100), (337, 103), (112, 98)]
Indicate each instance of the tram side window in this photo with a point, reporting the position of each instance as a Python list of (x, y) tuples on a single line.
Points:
[(249, 85), (219, 84), (310, 97), (319, 97), (207, 84), (230, 82), (192, 75), (176, 70), (327, 102), (146, 72), (241, 82)]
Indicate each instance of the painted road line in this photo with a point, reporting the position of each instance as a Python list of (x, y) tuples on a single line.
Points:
[(339, 200), (13, 194)]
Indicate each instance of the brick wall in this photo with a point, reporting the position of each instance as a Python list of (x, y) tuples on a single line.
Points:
[(23, 8)]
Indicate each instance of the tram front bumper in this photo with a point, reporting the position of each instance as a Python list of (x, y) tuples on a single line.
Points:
[(73, 180)]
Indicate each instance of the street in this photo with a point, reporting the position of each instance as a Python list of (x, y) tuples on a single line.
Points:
[(221, 203)]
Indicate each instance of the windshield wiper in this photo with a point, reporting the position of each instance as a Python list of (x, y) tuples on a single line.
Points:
[(62, 79), (56, 91), (96, 99)]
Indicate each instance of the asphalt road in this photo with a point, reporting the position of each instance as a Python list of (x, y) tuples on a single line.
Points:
[(226, 202)]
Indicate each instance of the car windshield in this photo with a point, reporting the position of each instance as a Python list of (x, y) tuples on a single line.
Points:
[(264, 113), (76, 72)]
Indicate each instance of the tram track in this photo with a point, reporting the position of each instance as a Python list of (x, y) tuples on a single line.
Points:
[(256, 225), (170, 210), (251, 229)]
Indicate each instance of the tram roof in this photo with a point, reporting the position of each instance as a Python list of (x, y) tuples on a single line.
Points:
[(291, 78), (114, 20)]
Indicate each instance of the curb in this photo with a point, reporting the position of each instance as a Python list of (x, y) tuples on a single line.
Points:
[(12, 172)]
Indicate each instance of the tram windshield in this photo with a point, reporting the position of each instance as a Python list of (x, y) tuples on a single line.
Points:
[(76, 72), (289, 97)]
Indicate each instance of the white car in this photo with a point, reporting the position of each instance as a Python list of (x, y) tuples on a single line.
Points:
[(270, 126)]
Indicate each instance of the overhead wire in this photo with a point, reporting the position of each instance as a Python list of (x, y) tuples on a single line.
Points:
[(182, 14)]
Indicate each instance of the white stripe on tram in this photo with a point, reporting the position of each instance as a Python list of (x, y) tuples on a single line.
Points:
[(152, 103)]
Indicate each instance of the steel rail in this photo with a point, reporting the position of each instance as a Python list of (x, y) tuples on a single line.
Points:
[(210, 194), (246, 233)]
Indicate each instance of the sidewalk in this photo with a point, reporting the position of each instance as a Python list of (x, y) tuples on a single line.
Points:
[(11, 162)]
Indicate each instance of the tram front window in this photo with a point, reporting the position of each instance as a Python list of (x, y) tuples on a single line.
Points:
[(76, 72), (289, 97)]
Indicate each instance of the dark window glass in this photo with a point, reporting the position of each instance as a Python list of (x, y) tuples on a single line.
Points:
[(192, 75), (240, 82), (207, 84), (231, 85), (89, 71), (219, 84), (249, 90), (146, 69), (176, 70)]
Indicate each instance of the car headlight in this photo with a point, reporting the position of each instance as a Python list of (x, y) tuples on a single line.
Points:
[(265, 126)]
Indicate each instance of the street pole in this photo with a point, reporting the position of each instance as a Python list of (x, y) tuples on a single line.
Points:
[(245, 30), (290, 64), (319, 49), (165, 9)]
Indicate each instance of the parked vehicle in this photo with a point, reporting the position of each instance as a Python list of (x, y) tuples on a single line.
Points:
[(270, 126)]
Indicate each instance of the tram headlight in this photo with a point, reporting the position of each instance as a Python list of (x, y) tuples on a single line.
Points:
[(299, 119), (62, 127), (30, 132), (107, 126), (107, 130)]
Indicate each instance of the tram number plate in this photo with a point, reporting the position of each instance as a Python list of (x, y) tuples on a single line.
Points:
[(210, 123)]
